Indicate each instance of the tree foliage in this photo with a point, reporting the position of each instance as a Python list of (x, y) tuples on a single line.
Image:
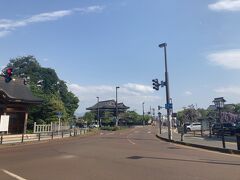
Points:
[(44, 83), (89, 117), (108, 118)]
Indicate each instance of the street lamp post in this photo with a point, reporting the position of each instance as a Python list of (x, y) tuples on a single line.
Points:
[(98, 117), (164, 45), (143, 113), (219, 103), (117, 106)]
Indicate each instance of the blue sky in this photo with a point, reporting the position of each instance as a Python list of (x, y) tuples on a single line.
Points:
[(97, 45)]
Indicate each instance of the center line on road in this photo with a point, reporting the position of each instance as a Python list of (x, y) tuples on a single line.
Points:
[(13, 175)]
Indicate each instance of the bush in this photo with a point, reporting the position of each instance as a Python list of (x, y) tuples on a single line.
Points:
[(109, 128)]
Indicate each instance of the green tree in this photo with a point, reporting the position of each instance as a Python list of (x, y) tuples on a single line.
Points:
[(44, 83), (107, 118), (133, 118), (89, 117), (189, 114), (237, 108)]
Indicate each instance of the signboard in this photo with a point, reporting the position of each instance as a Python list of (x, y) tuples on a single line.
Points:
[(4, 122), (180, 130), (169, 106), (174, 114), (59, 114)]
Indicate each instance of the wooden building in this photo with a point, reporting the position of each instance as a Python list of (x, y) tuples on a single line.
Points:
[(15, 100), (108, 106)]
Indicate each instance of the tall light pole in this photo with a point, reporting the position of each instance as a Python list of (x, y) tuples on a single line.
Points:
[(143, 113), (164, 45), (117, 106), (98, 117)]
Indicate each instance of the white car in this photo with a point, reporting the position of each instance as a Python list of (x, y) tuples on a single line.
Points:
[(194, 127)]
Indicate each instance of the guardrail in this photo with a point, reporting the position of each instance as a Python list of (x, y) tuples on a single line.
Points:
[(21, 138)]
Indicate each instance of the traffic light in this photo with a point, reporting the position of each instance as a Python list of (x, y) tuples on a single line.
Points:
[(8, 75), (155, 84)]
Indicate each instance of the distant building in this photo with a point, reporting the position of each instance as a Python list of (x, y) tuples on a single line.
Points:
[(108, 106), (15, 100), (227, 106)]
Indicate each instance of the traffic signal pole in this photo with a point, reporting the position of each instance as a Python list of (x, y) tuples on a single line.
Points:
[(167, 92)]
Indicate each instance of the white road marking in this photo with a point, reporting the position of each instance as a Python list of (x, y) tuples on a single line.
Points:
[(149, 132), (66, 156), (101, 133), (130, 140), (13, 175)]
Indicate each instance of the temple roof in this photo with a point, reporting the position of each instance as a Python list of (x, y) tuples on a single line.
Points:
[(109, 104), (16, 92)]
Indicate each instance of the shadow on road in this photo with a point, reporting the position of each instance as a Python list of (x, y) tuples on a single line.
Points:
[(185, 160)]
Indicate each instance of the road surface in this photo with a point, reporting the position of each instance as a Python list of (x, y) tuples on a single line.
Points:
[(133, 154)]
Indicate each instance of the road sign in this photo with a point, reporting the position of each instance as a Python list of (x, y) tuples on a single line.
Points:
[(169, 106), (174, 114), (180, 130), (59, 114)]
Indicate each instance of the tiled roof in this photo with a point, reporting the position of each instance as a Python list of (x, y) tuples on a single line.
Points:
[(110, 104), (16, 91)]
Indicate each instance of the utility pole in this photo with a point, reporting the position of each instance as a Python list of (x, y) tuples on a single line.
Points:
[(117, 106), (164, 45), (143, 113)]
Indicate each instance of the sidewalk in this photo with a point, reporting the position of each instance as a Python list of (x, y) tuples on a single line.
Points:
[(204, 140)]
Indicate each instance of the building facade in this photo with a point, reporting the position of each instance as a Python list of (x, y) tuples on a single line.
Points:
[(15, 100)]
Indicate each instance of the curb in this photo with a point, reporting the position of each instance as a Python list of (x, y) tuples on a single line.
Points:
[(228, 151)]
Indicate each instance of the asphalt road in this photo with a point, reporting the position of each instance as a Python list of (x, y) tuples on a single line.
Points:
[(133, 154)]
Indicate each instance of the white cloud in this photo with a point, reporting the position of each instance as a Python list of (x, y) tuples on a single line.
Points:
[(229, 59), (225, 5), (6, 25), (90, 9), (138, 88), (188, 93), (4, 33), (130, 94), (231, 90)]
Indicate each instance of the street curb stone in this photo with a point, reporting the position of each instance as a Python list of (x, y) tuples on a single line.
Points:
[(228, 151)]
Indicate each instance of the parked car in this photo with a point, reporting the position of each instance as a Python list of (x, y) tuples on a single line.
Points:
[(227, 127), (185, 126), (194, 127)]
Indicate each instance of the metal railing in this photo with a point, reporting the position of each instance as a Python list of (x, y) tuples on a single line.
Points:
[(21, 138)]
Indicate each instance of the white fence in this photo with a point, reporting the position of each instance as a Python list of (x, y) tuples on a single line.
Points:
[(20, 138), (53, 127)]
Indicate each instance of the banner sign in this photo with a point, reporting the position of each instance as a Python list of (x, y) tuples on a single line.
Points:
[(4, 122)]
